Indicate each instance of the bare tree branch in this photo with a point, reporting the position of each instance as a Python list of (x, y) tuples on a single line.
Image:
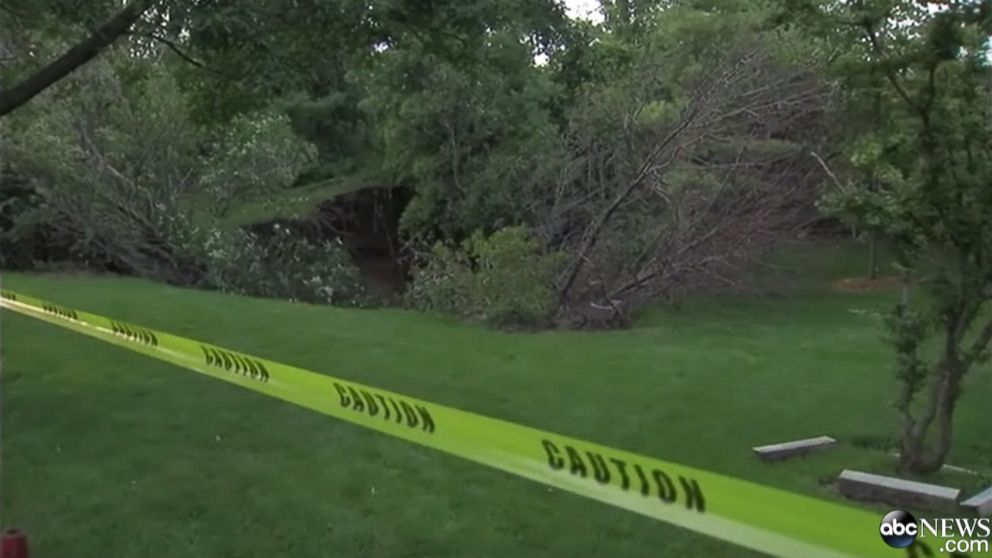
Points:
[(827, 170), (633, 232), (638, 235), (172, 45)]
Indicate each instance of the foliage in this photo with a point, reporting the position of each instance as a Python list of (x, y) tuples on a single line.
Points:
[(929, 154), (447, 101), (317, 59), (113, 159), (502, 279), (46, 23), (283, 264), (122, 171), (688, 161), (259, 154), (24, 239), (471, 139)]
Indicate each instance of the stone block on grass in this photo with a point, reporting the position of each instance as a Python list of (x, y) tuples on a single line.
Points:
[(898, 492), (785, 450), (981, 503)]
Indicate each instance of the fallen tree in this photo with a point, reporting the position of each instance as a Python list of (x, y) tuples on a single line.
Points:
[(664, 193)]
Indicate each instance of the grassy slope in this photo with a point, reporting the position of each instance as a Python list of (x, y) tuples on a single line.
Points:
[(108, 453), (294, 203)]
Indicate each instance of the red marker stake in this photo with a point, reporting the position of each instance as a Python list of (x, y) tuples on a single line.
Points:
[(14, 544)]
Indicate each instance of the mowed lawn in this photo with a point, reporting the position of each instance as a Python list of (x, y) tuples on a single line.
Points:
[(108, 453)]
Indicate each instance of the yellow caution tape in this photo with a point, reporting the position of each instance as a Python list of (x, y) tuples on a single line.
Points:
[(765, 519)]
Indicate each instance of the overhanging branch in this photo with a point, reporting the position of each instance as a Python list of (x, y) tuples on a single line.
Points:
[(73, 58)]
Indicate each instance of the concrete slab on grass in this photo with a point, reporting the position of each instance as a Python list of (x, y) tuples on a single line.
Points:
[(898, 492), (980, 503), (785, 450)]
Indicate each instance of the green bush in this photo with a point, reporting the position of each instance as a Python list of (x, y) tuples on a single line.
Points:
[(503, 280), (283, 265), (22, 237)]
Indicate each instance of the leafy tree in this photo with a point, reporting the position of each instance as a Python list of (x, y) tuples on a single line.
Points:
[(112, 160), (256, 52), (313, 57), (24, 241), (124, 172), (629, 20), (469, 139), (930, 151)]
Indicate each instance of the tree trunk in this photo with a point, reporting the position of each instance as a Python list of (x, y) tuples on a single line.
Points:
[(916, 455), (872, 257), (73, 58)]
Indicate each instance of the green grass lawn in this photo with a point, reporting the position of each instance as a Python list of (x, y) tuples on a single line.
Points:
[(108, 453)]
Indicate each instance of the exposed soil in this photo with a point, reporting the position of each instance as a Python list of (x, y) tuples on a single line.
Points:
[(367, 223)]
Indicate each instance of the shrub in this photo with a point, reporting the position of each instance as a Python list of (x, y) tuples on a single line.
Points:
[(283, 265), (22, 234), (503, 280)]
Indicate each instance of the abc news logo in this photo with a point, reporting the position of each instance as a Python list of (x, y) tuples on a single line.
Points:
[(899, 529)]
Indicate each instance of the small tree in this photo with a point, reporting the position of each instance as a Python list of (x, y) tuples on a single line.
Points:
[(932, 156)]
